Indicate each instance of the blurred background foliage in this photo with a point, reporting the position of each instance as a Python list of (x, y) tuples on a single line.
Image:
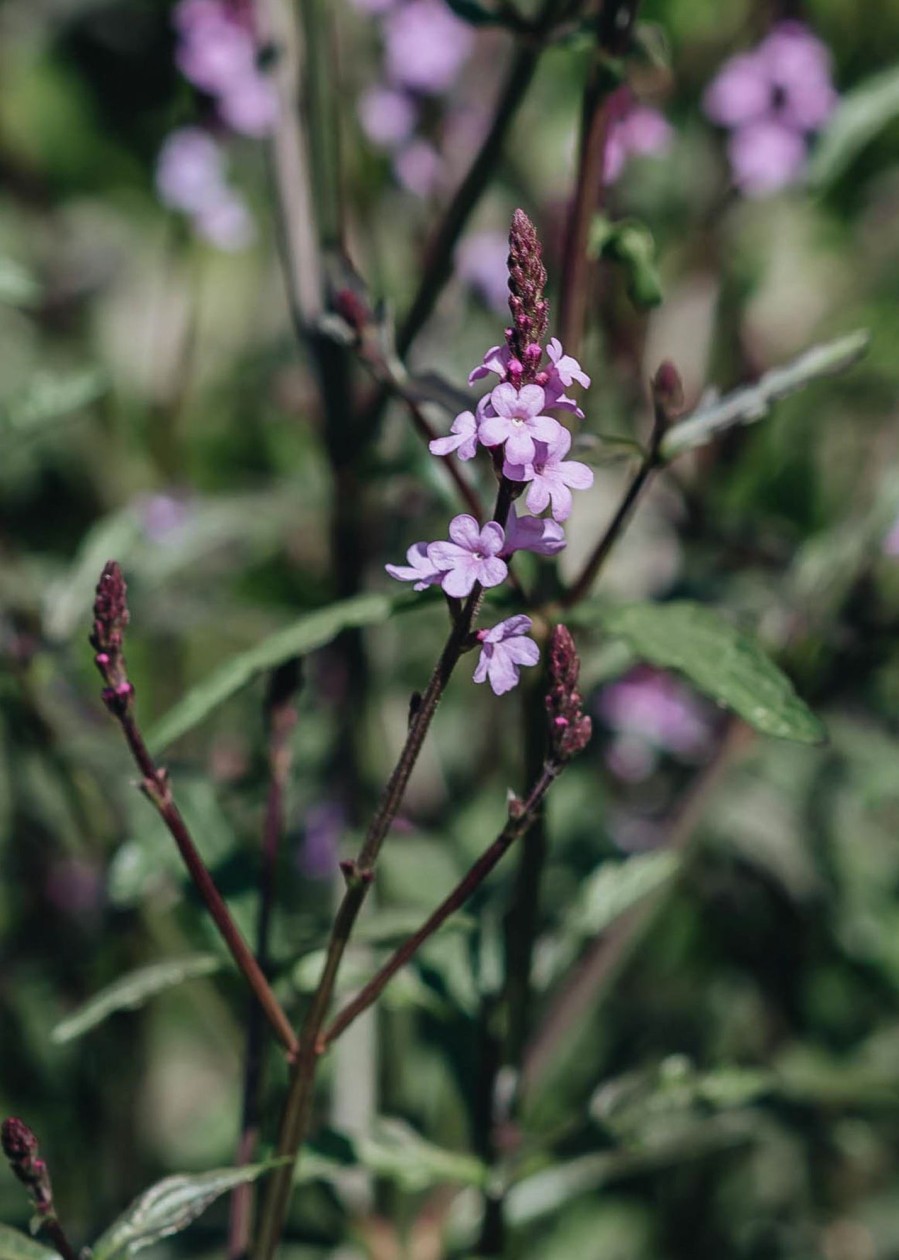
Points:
[(726, 1082)]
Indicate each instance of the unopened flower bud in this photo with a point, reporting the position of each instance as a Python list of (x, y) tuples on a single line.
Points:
[(527, 280), (107, 638), (667, 391), (21, 1149), (569, 727)]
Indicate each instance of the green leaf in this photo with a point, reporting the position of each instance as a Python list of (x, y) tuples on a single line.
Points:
[(132, 991), (615, 887), (68, 600), (477, 14), (860, 114), (727, 665), (631, 244), (311, 631), (17, 285), (753, 402), (393, 1149), (170, 1206), (14, 1245), (49, 397)]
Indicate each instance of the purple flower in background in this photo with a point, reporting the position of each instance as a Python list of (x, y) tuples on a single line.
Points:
[(421, 569), (517, 419), (463, 438), (417, 168), (504, 649), (635, 130), (533, 533), (162, 515), (324, 825), (482, 264), (650, 712), (216, 52), (387, 116), (472, 556), (890, 544), (771, 98), (426, 46), (551, 476), (190, 177)]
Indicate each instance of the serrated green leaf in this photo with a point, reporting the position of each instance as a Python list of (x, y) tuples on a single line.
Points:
[(132, 991), (727, 665), (170, 1206), (17, 285), (310, 632), (49, 397), (857, 119), (14, 1245)]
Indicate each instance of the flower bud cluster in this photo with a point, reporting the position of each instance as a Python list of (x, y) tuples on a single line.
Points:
[(528, 449), (21, 1149), (107, 637), (569, 727)]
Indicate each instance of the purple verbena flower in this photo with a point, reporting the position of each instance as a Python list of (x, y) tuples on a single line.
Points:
[(533, 533), (425, 46), (325, 822), (515, 417), (417, 167), (190, 176), (472, 556), (421, 569), (216, 52), (772, 98), (463, 438), (504, 649), (498, 359), (563, 372), (551, 476), (650, 711)]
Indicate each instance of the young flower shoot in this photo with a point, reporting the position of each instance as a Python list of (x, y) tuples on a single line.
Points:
[(528, 449)]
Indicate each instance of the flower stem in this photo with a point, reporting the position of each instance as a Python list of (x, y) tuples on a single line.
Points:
[(614, 25)]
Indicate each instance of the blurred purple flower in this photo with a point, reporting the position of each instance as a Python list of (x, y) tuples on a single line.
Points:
[(504, 649), (772, 98), (890, 544), (74, 886), (216, 52), (162, 515), (324, 825), (387, 116), (472, 556), (417, 168), (650, 712), (635, 131), (190, 177), (533, 533), (425, 46), (482, 264)]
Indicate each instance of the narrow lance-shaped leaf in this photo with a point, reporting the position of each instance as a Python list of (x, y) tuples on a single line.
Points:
[(753, 402), (170, 1206), (132, 991), (14, 1245), (310, 632), (721, 661), (857, 119)]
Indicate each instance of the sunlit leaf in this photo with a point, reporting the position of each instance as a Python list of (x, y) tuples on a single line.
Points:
[(17, 285), (617, 886), (132, 991), (394, 1150), (721, 661), (860, 115), (170, 1206), (753, 402), (49, 397), (14, 1245), (311, 631)]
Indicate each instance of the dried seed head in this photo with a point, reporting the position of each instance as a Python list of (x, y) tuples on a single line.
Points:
[(569, 727), (527, 280), (108, 636), (20, 1148)]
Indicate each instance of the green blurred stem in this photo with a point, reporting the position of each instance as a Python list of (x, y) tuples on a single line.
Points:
[(614, 25), (359, 876)]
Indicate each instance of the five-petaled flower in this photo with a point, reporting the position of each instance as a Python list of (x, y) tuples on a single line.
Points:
[(550, 475), (472, 556), (504, 649), (463, 438), (517, 419), (421, 569)]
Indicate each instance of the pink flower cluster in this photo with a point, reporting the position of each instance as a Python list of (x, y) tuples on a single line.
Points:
[(216, 52), (635, 130), (528, 446), (771, 99), (425, 46)]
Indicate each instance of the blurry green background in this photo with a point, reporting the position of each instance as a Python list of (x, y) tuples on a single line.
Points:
[(731, 1086)]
